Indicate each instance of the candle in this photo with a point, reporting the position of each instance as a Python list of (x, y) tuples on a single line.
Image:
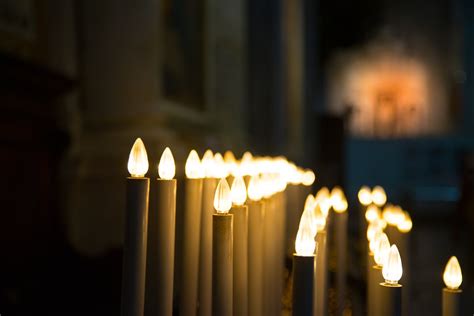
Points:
[(255, 244), (205, 256), (240, 211), (161, 238), (380, 254), (303, 268), (222, 252), (391, 290), (452, 277), (339, 204), (191, 234), (379, 197), (321, 262), (404, 227), (135, 240)]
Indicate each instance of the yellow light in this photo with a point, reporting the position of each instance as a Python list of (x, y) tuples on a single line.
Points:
[(398, 215), (372, 213), (365, 195), (254, 191), (323, 197), (230, 162), (166, 167), (320, 219), (372, 229), (378, 196), (193, 168), (388, 214), (309, 202), (392, 268), (375, 240), (308, 177), (406, 225), (138, 159), (222, 197), (247, 164), (267, 185), (452, 275), (238, 191), (381, 250), (338, 200), (305, 243), (207, 163), (220, 170)]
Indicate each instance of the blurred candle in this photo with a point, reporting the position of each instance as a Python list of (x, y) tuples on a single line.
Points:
[(255, 243), (452, 278), (320, 287), (380, 254), (390, 290), (304, 269), (191, 233), (222, 252), (161, 238), (135, 239), (205, 255)]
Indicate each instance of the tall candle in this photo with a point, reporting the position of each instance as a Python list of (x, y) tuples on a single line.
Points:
[(391, 290), (303, 269), (135, 240), (240, 212), (339, 204), (381, 251), (205, 255), (191, 234), (161, 238), (452, 277), (255, 244), (222, 252), (321, 274)]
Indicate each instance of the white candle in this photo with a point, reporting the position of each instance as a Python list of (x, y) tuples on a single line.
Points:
[(452, 278)]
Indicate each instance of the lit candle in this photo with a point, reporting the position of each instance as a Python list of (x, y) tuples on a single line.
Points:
[(240, 211), (339, 205), (191, 233), (321, 262), (255, 243), (452, 277), (222, 252), (135, 239), (303, 269), (391, 290), (379, 197), (161, 238), (380, 254), (205, 256)]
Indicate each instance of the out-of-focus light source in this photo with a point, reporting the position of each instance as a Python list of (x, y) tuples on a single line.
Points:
[(230, 162), (207, 163), (219, 170), (398, 215), (193, 168), (308, 177), (254, 191), (238, 191), (375, 240), (166, 167), (452, 275), (305, 243), (323, 198), (309, 202), (378, 196), (222, 197), (372, 213), (338, 200), (406, 224), (381, 250), (320, 218), (392, 268), (365, 195), (138, 159)]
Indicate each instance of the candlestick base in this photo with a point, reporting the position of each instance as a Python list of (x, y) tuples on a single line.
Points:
[(451, 302), (303, 285)]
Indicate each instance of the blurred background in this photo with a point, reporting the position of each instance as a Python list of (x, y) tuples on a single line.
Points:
[(363, 92)]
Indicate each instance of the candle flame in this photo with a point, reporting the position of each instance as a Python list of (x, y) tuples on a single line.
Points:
[(238, 191), (338, 200), (207, 163), (323, 198), (193, 166), (406, 225), (452, 275), (365, 195), (254, 190), (166, 167), (305, 243), (320, 218), (220, 170), (374, 241), (309, 202), (378, 196), (138, 159), (222, 197), (308, 177), (392, 268), (381, 250), (372, 213)]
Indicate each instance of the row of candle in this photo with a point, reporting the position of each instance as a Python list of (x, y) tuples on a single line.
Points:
[(223, 247), (384, 261)]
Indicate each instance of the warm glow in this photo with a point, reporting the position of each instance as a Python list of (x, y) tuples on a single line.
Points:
[(381, 250), (406, 225), (305, 243), (392, 268), (452, 275), (375, 240), (372, 213), (219, 170), (378, 196), (222, 197), (138, 159), (398, 215), (247, 164), (388, 214), (309, 202), (267, 185), (323, 198), (254, 191), (207, 164), (320, 218), (308, 177), (193, 168), (166, 167), (230, 162), (238, 191), (373, 228), (365, 195), (338, 200)]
